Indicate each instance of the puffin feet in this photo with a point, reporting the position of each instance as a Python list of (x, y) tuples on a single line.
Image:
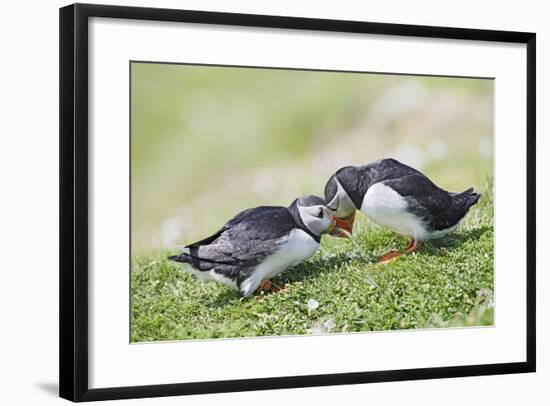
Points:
[(267, 286), (412, 246), (389, 256)]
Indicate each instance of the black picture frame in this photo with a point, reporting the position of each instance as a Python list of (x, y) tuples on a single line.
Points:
[(73, 280)]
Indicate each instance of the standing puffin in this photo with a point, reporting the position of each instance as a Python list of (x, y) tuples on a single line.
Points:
[(259, 243), (398, 197)]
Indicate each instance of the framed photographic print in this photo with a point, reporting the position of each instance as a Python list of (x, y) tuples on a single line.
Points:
[(301, 202)]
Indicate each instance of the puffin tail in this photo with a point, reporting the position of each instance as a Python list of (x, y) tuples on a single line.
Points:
[(466, 199), (196, 262), (175, 258), (192, 265), (182, 257)]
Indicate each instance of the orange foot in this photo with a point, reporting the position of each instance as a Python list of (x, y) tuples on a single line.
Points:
[(267, 286), (412, 246), (389, 256)]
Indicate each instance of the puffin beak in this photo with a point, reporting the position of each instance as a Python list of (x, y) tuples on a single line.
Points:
[(343, 227)]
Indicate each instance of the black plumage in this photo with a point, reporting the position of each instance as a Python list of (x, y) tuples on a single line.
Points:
[(246, 240), (437, 208)]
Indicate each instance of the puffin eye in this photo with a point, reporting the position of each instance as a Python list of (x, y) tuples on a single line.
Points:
[(336, 201), (321, 213)]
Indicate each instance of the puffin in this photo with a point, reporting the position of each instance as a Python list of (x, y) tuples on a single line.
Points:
[(399, 197), (259, 243)]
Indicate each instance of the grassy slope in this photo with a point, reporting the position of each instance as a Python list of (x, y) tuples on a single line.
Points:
[(449, 282)]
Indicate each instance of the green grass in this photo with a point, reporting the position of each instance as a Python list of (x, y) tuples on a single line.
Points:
[(447, 283)]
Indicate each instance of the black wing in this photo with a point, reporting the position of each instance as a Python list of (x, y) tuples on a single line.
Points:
[(439, 208), (388, 168), (358, 179), (243, 242), (424, 198)]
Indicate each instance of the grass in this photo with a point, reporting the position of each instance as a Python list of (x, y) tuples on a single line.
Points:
[(447, 283)]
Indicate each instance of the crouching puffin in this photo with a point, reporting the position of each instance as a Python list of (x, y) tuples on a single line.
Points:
[(259, 243), (398, 197)]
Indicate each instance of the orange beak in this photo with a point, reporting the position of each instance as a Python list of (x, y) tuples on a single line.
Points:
[(343, 227)]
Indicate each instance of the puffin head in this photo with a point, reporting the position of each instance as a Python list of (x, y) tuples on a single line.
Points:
[(339, 202), (316, 217)]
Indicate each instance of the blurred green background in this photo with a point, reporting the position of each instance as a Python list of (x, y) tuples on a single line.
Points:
[(208, 142)]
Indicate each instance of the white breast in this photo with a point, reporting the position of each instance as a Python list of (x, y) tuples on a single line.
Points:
[(386, 207), (298, 247)]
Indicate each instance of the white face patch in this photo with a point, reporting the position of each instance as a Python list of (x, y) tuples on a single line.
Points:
[(341, 204), (317, 219)]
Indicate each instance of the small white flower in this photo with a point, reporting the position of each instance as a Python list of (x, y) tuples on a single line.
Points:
[(316, 329), (312, 304), (329, 324)]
